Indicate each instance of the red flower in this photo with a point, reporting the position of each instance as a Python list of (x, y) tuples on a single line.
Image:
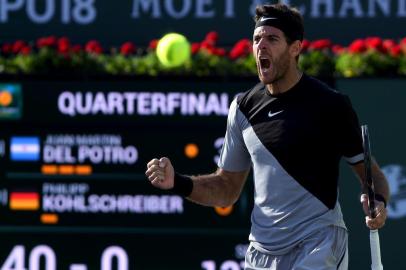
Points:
[(18, 46), (241, 49), (320, 44), (127, 48), (46, 42), (212, 37), (93, 46), (63, 45), (388, 44), (25, 50), (305, 45), (375, 43), (395, 51), (357, 46), (337, 49), (219, 51), (403, 45), (195, 47), (153, 44), (207, 46)]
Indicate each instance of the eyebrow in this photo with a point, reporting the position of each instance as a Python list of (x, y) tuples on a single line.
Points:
[(270, 35)]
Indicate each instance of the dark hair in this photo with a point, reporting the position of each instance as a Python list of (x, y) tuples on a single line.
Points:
[(291, 17)]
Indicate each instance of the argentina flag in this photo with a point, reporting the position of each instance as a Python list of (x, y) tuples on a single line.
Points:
[(24, 149)]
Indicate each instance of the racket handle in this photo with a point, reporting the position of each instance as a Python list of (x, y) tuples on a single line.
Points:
[(375, 250)]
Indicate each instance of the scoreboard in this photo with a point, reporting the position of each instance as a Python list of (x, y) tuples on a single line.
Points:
[(73, 193)]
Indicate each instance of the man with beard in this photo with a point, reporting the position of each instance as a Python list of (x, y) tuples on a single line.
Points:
[(292, 130)]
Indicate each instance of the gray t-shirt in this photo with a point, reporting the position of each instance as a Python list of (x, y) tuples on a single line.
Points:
[(294, 142)]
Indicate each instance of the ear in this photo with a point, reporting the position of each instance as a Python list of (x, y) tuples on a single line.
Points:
[(295, 48)]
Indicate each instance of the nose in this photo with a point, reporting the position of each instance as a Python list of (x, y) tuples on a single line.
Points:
[(262, 44)]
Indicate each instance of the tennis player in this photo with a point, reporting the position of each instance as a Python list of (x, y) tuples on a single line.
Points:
[(292, 130)]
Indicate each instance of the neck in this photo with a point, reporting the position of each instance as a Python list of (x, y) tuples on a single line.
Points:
[(285, 83)]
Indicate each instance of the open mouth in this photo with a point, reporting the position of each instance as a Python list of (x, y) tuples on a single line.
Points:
[(265, 63)]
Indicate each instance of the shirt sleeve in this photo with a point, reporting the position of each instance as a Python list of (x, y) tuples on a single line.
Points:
[(350, 133), (234, 156)]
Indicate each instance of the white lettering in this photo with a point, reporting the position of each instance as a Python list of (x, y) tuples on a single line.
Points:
[(106, 203), (62, 188), (225, 103), (58, 154), (401, 8), (145, 5), (184, 104), (100, 104), (350, 5), (158, 103), (6, 6), (383, 5), (196, 104), (130, 99), (143, 103), (84, 11), (229, 9), (115, 102), (329, 8), (200, 9), (84, 106), (213, 105), (255, 3), (66, 7), (169, 6), (66, 103), (107, 154), (37, 18), (173, 102)]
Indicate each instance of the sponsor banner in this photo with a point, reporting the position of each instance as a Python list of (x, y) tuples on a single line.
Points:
[(151, 19)]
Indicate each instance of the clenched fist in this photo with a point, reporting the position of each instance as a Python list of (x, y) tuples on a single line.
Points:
[(381, 213), (160, 173)]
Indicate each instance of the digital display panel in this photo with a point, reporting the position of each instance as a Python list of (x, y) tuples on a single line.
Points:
[(73, 193)]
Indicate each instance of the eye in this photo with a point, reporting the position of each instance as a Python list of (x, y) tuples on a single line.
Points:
[(256, 39), (272, 38)]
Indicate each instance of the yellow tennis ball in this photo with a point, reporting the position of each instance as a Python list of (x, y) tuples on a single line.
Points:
[(173, 50)]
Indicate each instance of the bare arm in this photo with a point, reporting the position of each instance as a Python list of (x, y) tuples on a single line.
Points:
[(381, 187), (221, 188), (380, 182)]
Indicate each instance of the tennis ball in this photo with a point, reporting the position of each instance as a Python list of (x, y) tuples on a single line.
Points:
[(173, 50)]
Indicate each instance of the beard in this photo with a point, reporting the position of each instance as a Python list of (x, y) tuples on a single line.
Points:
[(278, 70)]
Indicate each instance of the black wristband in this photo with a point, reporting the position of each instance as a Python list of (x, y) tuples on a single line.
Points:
[(380, 198), (182, 185)]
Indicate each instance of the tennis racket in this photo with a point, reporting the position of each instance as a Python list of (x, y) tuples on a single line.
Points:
[(376, 263)]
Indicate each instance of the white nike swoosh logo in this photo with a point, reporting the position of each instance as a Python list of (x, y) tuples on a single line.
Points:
[(270, 114), (267, 18)]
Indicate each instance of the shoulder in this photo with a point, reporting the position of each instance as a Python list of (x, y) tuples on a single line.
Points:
[(324, 93), (249, 98)]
